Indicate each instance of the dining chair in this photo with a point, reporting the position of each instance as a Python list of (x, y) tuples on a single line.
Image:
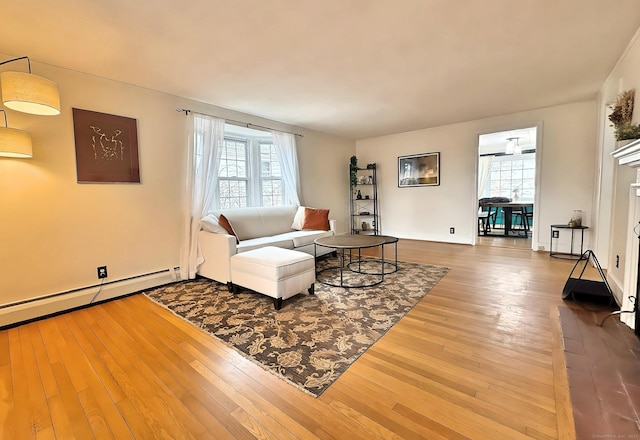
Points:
[(485, 219), (520, 220)]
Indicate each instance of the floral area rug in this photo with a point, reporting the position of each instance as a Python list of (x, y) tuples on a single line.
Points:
[(312, 339)]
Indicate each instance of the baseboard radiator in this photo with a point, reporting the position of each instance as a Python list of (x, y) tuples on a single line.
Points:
[(36, 308)]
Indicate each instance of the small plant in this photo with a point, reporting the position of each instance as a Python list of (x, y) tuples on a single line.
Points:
[(621, 117), (627, 131), (353, 171)]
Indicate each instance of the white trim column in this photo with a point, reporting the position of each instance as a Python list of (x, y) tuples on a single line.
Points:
[(630, 155)]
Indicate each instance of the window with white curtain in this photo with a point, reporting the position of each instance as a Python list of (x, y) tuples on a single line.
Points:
[(249, 173)]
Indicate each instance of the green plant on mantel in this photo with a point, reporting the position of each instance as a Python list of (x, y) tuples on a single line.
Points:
[(353, 172), (621, 117)]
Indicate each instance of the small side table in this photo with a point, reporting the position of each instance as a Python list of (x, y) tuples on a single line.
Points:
[(555, 232)]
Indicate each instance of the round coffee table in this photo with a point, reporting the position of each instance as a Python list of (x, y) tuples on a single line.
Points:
[(342, 243), (391, 265)]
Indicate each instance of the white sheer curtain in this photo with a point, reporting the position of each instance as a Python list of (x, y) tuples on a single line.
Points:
[(206, 134), (285, 145), (484, 173)]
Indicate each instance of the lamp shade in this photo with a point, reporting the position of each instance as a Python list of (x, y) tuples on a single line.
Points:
[(510, 147), (29, 93), (15, 143), (513, 146)]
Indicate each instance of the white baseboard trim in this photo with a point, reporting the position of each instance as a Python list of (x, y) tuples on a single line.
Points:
[(616, 287), (449, 238), (56, 303)]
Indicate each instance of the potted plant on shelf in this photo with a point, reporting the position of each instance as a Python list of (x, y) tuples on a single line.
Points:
[(353, 172), (621, 117)]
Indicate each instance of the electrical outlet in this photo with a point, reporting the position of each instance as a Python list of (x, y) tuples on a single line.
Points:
[(452, 230), (556, 234), (102, 272)]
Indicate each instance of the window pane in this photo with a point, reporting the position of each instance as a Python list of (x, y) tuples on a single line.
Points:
[(527, 194), (233, 159), (269, 163), (233, 193), (271, 192), (528, 184), (271, 189)]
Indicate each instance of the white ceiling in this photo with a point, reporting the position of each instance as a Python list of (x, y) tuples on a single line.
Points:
[(355, 68)]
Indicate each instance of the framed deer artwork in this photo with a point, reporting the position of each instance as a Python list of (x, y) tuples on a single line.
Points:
[(106, 147)]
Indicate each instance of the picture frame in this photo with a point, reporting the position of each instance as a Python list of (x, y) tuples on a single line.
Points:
[(419, 170), (106, 147)]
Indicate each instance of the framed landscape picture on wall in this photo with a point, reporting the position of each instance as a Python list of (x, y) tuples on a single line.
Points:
[(106, 147), (419, 170)]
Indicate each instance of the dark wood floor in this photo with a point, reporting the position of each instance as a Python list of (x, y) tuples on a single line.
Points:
[(603, 367)]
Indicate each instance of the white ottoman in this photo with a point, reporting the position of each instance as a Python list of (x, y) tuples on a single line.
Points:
[(276, 272)]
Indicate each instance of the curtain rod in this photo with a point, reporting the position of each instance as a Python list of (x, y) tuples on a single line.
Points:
[(240, 123)]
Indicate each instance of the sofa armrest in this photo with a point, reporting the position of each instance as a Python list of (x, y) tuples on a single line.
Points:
[(216, 249), (332, 225)]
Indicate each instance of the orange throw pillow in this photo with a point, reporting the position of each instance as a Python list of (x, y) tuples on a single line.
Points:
[(222, 220), (316, 219)]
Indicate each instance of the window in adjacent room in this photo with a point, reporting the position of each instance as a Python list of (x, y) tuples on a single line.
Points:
[(511, 175), (507, 164)]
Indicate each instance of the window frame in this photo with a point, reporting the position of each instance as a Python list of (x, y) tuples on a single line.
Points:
[(254, 179)]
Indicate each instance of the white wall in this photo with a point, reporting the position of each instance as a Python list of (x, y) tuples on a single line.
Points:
[(566, 152), (54, 232), (324, 174)]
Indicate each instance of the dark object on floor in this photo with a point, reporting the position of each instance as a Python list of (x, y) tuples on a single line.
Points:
[(577, 288)]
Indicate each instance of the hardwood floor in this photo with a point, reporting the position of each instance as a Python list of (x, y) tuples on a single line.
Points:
[(510, 242), (480, 357)]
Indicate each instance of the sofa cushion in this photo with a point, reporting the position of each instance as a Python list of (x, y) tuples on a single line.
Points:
[(265, 221), (210, 223), (317, 219), (224, 222), (298, 219), (272, 263), (259, 242), (303, 238)]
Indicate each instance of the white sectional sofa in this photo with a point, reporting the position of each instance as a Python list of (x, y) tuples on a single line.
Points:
[(254, 228)]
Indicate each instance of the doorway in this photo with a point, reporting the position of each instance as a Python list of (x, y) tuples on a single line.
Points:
[(507, 182)]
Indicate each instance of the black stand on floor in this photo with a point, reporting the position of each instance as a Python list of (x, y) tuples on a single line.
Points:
[(590, 290)]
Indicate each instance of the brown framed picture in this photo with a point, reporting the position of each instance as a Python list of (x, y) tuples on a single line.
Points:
[(419, 170), (106, 147)]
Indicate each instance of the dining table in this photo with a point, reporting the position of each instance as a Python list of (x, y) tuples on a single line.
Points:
[(507, 209)]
